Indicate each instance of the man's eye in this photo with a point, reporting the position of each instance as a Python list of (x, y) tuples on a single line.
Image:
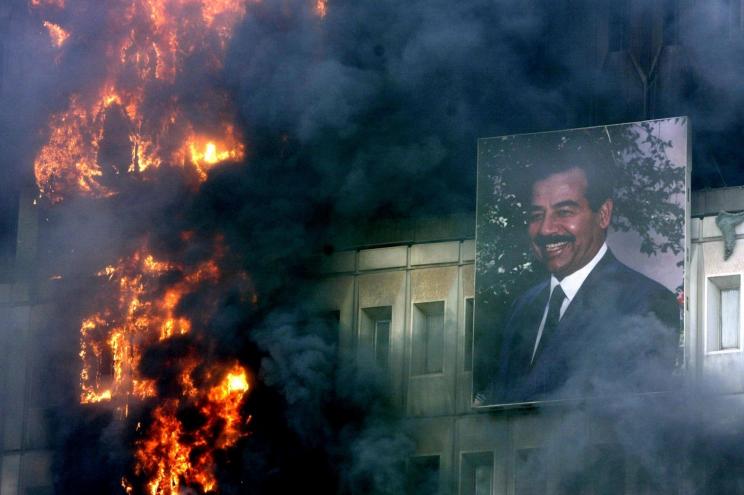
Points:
[(565, 212), (536, 217)]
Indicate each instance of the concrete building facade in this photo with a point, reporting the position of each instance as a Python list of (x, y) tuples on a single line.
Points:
[(415, 297)]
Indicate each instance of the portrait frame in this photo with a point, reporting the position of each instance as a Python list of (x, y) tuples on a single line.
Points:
[(648, 165)]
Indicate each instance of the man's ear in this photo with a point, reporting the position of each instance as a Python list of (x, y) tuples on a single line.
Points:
[(605, 214)]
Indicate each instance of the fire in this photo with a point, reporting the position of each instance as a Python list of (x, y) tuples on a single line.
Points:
[(205, 152), (152, 45), (140, 309), (141, 313), (170, 457), (321, 7), (137, 117), (56, 33), (52, 3)]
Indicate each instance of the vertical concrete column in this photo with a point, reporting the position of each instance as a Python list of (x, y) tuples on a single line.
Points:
[(26, 244), (14, 335)]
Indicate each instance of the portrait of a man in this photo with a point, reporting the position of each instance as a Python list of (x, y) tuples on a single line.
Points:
[(573, 320)]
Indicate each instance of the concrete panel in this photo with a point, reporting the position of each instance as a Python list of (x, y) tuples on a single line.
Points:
[(434, 284), (468, 281), (15, 376), (36, 470), (709, 228), (696, 229), (437, 252), (695, 318), (10, 474), (725, 370), (714, 262), (37, 431), (464, 377), (530, 429), (430, 395), (434, 394), (5, 291), (28, 234), (484, 433), (43, 343), (712, 201), (468, 250), (375, 259), (434, 436), (382, 290), (337, 294), (341, 262), (21, 293)]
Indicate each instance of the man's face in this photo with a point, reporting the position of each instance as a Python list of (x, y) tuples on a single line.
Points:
[(565, 233)]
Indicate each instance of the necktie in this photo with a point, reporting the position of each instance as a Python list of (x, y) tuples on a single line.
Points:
[(554, 311), (551, 320)]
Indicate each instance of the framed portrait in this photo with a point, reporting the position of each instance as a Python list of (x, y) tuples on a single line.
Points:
[(580, 249)]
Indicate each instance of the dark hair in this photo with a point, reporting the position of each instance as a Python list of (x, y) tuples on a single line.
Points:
[(556, 152)]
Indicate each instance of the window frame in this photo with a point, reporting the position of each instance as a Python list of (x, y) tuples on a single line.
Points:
[(710, 285)]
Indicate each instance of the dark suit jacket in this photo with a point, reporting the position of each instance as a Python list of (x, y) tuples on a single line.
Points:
[(619, 331)]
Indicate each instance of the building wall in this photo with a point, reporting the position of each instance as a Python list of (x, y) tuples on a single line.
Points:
[(467, 444), (27, 394), (710, 273), (487, 451)]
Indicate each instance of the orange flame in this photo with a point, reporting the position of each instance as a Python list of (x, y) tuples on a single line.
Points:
[(143, 313), (152, 45), (321, 8), (154, 42), (170, 457), (139, 310), (56, 33), (51, 3)]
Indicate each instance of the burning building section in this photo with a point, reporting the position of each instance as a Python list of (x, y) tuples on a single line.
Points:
[(115, 133)]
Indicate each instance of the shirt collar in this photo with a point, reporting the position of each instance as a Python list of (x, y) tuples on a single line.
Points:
[(572, 283)]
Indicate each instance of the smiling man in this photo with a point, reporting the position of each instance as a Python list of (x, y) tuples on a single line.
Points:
[(594, 321)]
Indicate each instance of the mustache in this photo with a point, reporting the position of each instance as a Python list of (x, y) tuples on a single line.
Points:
[(543, 240)]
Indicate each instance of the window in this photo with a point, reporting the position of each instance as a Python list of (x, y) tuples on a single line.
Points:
[(423, 475), (477, 473), (382, 342), (722, 319), (428, 338), (469, 334), (375, 333)]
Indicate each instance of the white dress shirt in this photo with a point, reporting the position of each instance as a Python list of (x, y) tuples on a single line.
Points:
[(570, 285)]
